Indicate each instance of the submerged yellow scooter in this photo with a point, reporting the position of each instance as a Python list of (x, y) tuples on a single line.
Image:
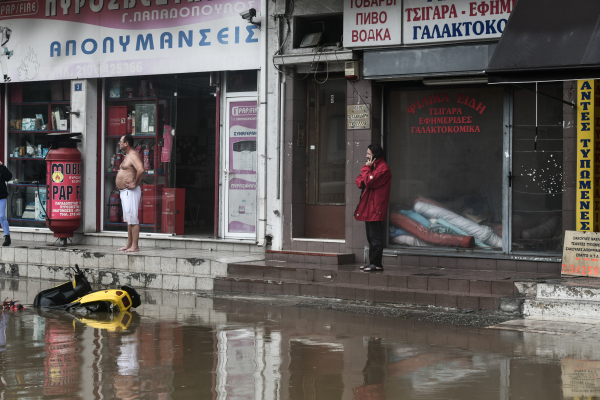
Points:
[(79, 296)]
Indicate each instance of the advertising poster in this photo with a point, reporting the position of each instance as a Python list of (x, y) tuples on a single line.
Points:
[(242, 166), (427, 21), (65, 195), (73, 39)]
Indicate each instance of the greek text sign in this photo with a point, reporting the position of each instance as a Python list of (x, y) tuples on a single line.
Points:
[(73, 39), (372, 23), (588, 132), (65, 192), (359, 117), (581, 254), (431, 21)]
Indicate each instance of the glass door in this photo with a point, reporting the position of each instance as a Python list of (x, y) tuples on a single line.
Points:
[(240, 167)]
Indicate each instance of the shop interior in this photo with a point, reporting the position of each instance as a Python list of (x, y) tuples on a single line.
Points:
[(173, 122)]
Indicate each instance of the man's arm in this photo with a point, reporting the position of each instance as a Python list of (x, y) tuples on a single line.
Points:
[(138, 165)]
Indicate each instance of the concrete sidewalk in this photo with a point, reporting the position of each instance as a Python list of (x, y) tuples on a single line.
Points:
[(156, 267)]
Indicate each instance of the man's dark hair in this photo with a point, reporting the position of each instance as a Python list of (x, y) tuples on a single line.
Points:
[(129, 140), (377, 151)]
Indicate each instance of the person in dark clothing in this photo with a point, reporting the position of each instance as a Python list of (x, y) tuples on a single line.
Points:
[(374, 180), (5, 176)]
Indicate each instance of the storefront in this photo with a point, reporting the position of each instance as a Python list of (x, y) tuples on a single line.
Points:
[(480, 170), (182, 78)]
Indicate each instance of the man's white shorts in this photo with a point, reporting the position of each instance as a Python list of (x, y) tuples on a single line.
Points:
[(130, 201)]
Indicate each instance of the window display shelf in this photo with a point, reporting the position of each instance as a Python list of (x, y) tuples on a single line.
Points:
[(37, 103), (39, 221), (125, 224), (42, 185), (126, 99), (134, 136), (37, 131), (146, 175), (26, 158)]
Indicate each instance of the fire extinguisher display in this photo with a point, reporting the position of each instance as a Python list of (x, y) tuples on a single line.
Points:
[(63, 180), (144, 119), (146, 158), (140, 148), (118, 161), (115, 213)]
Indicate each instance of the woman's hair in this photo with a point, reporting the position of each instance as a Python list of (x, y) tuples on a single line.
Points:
[(377, 151)]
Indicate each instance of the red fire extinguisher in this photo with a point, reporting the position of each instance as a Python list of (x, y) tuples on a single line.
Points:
[(129, 128), (115, 206), (118, 161), (152, 163), (146, 158), (140, 148), (63, 185)]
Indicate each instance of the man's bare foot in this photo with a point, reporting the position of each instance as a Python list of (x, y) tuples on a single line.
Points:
[(132, 250), (123, 248)]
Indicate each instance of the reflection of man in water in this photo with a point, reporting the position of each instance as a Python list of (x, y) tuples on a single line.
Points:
[(5, 54)]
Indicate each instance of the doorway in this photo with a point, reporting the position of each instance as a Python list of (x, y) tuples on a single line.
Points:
[(324, 213), (194, 152)]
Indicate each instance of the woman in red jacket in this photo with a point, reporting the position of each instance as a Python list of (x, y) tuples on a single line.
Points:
[(374, 180)]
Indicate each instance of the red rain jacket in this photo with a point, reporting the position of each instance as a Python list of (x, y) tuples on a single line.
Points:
[(376, 182)]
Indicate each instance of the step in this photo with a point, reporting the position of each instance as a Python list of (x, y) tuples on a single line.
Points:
[(147, 241), (410, 278), (557, 291), (562, 309), (359, 292), (310, 257), (157, 268)]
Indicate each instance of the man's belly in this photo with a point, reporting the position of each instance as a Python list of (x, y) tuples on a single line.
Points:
[(122, 177)]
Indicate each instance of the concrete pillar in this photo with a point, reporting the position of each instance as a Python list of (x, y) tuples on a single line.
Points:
[(84, 99)]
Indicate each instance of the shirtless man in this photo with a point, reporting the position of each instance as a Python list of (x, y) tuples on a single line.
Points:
[(128, 182)]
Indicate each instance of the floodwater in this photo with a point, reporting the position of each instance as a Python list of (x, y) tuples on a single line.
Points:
[(182, 346)]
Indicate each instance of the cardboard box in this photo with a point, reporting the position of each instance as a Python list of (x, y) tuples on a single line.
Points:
[(173, 211), (117, 120), (40, 204), (151, 200), (28, 124)]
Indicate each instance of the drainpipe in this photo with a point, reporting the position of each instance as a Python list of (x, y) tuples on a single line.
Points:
[(262, 128)]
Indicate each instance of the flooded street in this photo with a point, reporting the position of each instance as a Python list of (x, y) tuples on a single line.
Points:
[(183, 346)]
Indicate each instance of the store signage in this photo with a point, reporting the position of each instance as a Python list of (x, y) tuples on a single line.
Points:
[(369, 23), (359, 116), (580, 378), (581, 254), (427, 21), (588, 159), (65, 39), (242, 167), (445, 114)]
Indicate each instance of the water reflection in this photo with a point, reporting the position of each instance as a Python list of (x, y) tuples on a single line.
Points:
[(179, 346)]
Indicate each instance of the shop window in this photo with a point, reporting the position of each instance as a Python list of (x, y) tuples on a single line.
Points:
[(537, 184), (326, 142), (445, 152), (34, 110), (242, 81), (173, 122)]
